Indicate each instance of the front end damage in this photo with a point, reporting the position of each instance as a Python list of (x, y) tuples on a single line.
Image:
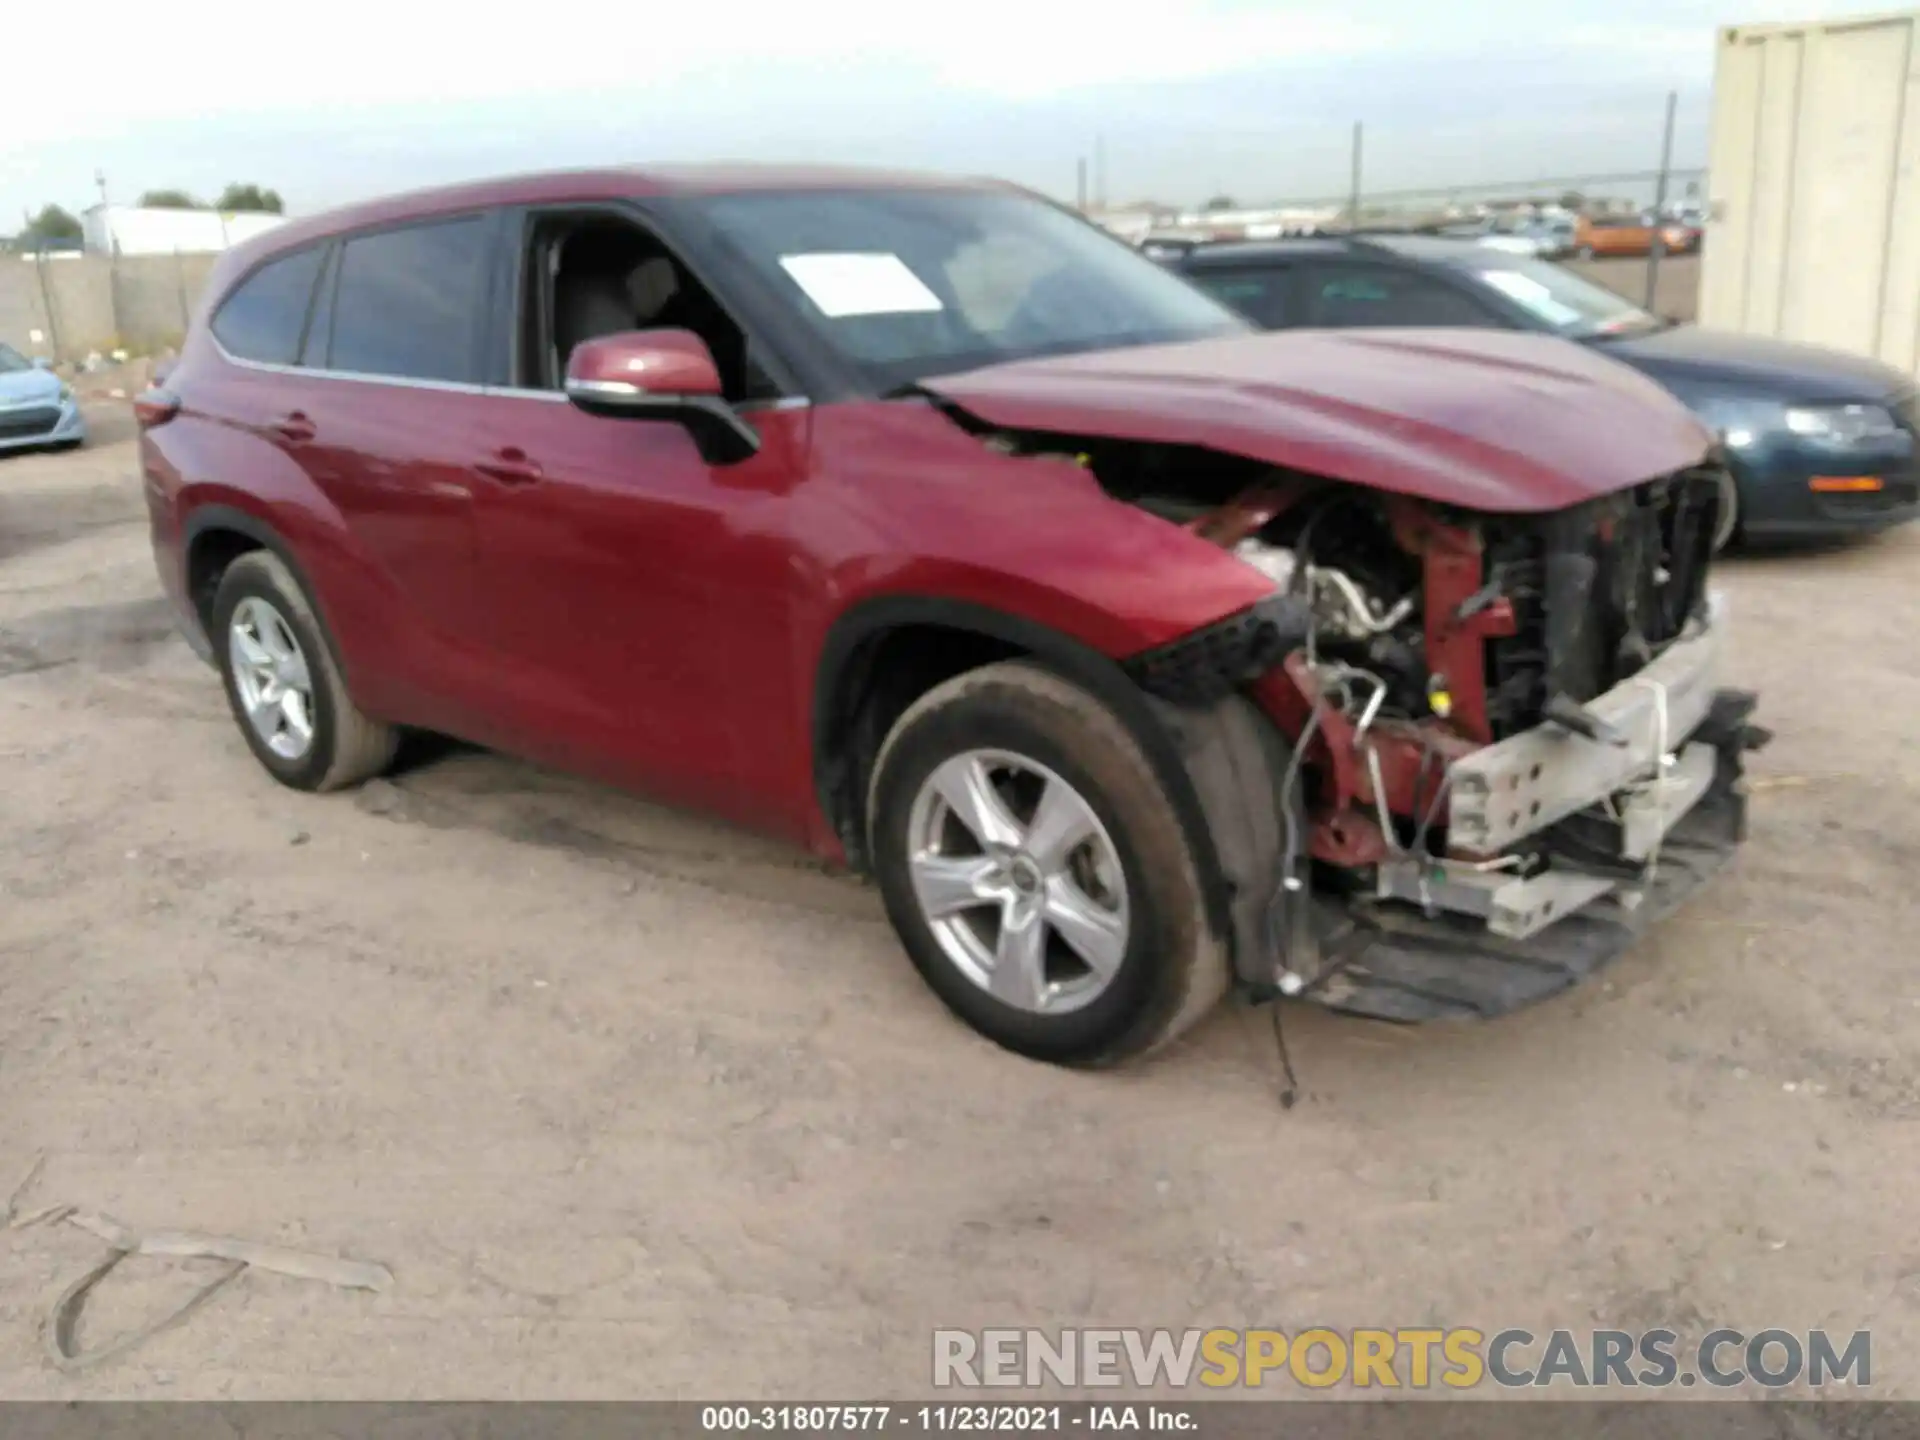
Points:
[(1455, 762)]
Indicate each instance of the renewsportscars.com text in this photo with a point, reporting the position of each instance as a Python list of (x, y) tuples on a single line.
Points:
[(1412, 1359)]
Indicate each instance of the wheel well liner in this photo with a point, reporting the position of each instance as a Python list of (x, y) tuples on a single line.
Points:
[(845, 717)]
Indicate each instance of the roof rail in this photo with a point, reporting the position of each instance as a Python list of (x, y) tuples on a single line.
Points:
[(1174, 244)]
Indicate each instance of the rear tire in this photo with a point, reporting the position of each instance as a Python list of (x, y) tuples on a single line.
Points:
[(1132, 962), (283, 686)]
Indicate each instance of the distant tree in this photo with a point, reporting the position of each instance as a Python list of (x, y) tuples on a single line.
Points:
[(52, 226), (1221, 202), (1573, 200), (169, 200), (249, 197)]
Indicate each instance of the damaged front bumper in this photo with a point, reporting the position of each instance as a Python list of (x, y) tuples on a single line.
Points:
[(1563, 843), (1566, 844), (1395, 960)]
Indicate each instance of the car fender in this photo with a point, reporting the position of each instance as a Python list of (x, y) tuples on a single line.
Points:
[(238, 513), (840, 783), (353, 600)]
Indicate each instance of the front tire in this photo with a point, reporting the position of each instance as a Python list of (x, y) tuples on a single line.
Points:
[(1036, 871), (283, 686), (1726, 530)]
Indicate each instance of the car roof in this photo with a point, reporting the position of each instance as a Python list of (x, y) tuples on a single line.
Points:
[(605, 183), (1431, 249), (1239, 252)]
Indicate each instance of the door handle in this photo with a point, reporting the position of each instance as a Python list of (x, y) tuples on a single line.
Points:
[(295, 429), (510, 466)]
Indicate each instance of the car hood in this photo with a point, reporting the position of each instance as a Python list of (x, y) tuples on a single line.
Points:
[(1489, 420), (1755, 366), (23, 387)]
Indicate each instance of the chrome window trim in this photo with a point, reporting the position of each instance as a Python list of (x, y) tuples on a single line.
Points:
[(454, 387), (611, 389)]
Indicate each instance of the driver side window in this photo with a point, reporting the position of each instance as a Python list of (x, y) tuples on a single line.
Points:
[(991, 276), (1012, 288), (589, 276)]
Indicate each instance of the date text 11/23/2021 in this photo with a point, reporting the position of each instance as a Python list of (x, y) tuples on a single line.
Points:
[(939, 1419)]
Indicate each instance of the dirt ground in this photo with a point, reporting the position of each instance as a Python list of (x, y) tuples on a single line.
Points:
[(633, 1105), (1676, 287)]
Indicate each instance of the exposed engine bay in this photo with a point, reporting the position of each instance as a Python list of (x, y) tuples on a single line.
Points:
[(1331, 547), (1500, 726)]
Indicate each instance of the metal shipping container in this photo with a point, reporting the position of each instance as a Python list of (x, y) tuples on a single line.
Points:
[(1814, 229)]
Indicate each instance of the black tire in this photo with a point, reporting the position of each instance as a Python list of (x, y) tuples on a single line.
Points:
[(347, 746), (1727, 532), (1173, 969)]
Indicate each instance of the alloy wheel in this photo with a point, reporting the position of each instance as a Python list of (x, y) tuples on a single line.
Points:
[(1018, 880), (271, 676)]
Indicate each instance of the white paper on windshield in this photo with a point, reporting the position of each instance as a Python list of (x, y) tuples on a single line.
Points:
[(1532, 294), (860, 283)]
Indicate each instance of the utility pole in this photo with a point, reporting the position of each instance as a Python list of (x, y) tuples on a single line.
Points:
[(1353, 192), (100, 183), (1100, 171), (1660, 205), (1081, 190)]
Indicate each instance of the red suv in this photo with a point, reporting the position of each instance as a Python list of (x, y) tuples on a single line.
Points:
[(1132, 652)]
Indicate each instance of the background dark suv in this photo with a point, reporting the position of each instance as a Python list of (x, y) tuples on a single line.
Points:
[(1818, 441)]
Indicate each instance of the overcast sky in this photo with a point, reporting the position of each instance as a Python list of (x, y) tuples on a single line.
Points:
[(1192, 97)]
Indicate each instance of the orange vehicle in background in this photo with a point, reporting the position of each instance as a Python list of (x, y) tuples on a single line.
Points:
[(1629, 235)]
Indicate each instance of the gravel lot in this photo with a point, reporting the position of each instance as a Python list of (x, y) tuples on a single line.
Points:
[(633, 1105), (1676, 290)]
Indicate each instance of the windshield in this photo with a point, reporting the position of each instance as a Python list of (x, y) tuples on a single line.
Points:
[(12, 359), (1570, 305), (906, 284)]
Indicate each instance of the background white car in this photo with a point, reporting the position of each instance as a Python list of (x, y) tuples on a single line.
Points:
[(36, 406)]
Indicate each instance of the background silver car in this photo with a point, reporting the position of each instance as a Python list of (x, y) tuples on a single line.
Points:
[(36, 407)]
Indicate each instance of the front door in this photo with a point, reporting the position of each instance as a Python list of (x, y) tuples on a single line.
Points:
[(639, 598)]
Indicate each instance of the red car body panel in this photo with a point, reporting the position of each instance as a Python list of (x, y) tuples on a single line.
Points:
[(1408, 411), (589, 592), (664, 632)]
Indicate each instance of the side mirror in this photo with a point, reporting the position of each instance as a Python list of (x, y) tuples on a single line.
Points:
[(660, 375)]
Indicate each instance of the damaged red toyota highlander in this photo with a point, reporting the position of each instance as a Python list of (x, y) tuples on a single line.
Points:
[(1134, 654)]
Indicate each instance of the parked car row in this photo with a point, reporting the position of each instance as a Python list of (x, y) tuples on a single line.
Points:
[(1817, 442), (1134, 652), (1622, 236), (1545, 235), (1554, 237)]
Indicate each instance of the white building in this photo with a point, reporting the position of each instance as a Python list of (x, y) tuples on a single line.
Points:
[(134, 230)]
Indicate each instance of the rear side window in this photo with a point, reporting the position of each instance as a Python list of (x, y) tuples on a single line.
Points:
[(1260, 295), (264, 316), (1339, 296), (408, 303)]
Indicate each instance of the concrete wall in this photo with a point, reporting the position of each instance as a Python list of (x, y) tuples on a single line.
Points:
[(86, 303)]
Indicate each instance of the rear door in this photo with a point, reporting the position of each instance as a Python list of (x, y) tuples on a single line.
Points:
[(1262, 293), (393, 372)]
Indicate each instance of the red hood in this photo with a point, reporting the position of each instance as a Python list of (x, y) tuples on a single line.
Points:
[(1485, 419)]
